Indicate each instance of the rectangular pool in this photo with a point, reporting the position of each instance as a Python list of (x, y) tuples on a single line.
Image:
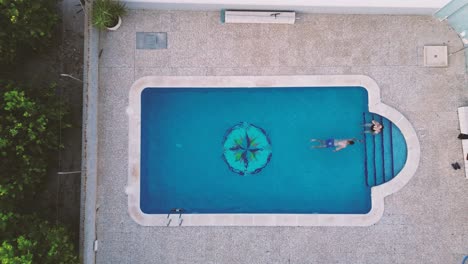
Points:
[(182, 137)]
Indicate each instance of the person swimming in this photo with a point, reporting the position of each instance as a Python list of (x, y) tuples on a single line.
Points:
[(338, 144), (374, 127)]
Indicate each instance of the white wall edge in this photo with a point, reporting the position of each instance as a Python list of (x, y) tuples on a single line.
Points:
[(415, 7), (378, 193)]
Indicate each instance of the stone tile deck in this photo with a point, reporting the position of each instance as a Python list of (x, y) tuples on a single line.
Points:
[(425, 222)]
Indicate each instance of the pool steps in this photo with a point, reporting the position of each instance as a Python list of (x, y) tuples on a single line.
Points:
[(384, 153)]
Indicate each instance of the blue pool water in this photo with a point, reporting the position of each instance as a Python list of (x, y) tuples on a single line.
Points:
[(182, 164)]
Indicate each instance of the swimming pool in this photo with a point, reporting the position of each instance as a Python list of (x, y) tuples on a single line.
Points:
[(244, 152)]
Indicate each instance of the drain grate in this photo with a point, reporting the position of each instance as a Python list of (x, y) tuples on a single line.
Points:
[(151, 40), (435, 56)]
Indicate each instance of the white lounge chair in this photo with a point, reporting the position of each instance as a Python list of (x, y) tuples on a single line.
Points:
[(463, 118)]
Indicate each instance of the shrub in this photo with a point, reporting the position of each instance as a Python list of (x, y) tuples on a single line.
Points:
[(106, 13), (28, 239), (29, 135), (26, 25)]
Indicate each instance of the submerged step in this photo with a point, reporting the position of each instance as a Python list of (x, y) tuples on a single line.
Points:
[(388, 149), (378, 159)]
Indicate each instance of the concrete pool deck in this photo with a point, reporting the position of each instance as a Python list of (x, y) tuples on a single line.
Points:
[(424, 222)]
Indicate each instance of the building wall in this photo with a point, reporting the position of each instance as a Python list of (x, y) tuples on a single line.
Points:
[(415, 7)]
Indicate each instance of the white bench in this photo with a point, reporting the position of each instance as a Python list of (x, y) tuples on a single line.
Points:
[(262, 17), (463, 118)]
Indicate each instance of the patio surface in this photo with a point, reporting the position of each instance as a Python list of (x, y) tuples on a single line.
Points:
[(425, 222)]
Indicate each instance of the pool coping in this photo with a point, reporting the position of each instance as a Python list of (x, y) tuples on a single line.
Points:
[(378, 193)]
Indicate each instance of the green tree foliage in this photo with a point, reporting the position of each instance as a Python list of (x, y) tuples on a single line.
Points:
[(27, 239), (29, 135), (29, 139), (26, 25)]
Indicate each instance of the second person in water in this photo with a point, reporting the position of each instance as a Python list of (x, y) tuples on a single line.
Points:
[(374, 127)]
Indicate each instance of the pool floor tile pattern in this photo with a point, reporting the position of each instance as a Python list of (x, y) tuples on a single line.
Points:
[(425, 222)]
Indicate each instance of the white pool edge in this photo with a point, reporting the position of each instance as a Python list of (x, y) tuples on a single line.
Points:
[(378, 193)]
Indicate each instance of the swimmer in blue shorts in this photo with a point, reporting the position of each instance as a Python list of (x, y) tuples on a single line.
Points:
[(338, 144)]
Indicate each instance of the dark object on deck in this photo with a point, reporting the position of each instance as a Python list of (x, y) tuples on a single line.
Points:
[(462, 136), (456, 166)]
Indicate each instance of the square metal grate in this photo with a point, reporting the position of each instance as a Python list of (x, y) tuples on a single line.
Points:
[(151, 40)]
